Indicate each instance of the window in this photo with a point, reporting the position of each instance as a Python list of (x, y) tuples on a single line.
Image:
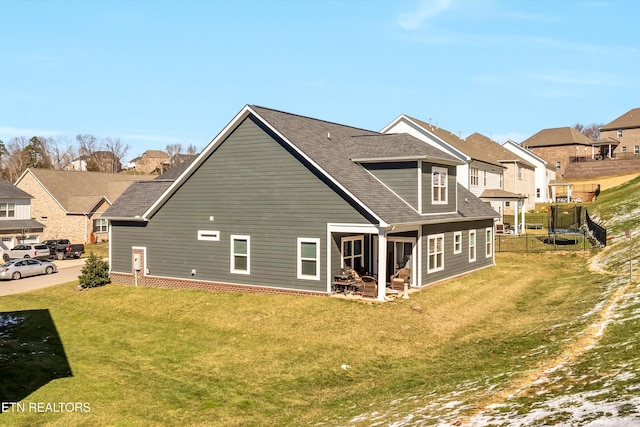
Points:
[(636, 149), (557, 165), (484, 174), (457, 242), (472, 245), (624, 148), (352, 252), (507, 204), (619, 133), (308, 259), (537, 193), (100, 225), (436, 253), (519, 173), (240, 249), (474, 176), (439, 186), (489, 242), (7, 210)]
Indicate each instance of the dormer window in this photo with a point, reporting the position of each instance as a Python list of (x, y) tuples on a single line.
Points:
[(439, 186), (7, 210)]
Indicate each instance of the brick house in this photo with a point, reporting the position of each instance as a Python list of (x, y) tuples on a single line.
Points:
[(561, 146), (624, 130), (70, 203)]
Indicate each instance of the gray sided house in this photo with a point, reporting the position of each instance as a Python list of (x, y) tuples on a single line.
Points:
[(278, 202)]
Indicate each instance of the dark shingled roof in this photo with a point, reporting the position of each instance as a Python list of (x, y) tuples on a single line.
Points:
[(630, 119), (10, 191), (337, 150), (556, 136)]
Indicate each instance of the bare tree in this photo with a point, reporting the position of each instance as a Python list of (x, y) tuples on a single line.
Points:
[(87, 147), (592, 131), (17, 159), (62, 152), (191, 149), (116, 151), (172, 150)]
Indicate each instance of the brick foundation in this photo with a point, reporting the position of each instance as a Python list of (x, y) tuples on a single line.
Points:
[(169, 283)]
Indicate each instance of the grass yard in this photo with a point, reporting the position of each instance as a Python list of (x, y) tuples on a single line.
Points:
[(144, 356)]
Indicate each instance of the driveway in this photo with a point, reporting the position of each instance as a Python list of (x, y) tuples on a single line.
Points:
[(68, 271)]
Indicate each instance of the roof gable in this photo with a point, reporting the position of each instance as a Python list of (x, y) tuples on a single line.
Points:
[(476, 151), (80, 192), (333, 150), (630, 119), (557, 136), (495, 151), (10, 191)]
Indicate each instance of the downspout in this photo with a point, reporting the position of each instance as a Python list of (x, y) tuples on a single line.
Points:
[(382, 263)]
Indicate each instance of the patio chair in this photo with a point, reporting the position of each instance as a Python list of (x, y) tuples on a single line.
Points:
[(369, 287), (401, 277)]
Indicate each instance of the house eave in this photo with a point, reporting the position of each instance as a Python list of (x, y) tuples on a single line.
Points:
[(407, 159)]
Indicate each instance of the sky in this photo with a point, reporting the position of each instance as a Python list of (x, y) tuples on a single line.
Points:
[(153, 73)]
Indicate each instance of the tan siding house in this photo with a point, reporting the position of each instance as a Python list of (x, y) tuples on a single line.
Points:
[(70, 203)]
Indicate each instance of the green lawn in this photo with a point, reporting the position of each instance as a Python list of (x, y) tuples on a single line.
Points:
[(144, 356)]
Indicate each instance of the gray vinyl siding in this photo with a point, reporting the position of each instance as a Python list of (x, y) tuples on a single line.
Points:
[(427, 206), (456, 264), (400, 177), (251, 185)]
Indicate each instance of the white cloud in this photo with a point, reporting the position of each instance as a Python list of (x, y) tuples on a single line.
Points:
[(427, 10), (8, 132)]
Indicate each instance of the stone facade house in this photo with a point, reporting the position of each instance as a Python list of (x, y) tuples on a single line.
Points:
[(16, 224), (151, 162), (70, 203)]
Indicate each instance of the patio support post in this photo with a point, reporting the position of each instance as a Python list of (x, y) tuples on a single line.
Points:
[(382, 264), (515, 217), (522, 223)]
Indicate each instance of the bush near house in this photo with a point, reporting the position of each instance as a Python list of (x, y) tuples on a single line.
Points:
[(94, 273)]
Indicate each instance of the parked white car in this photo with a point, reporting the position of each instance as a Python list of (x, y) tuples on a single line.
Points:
[(17, 268), (27, 250)]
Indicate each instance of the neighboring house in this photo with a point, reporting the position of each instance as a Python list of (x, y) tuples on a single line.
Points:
[(560, 146), (278, 203), (518, 177), (70, 203), (131, 165), (102, 161), (544, 173), (16, 224), (481, 170), (625, 131), (151, 162)]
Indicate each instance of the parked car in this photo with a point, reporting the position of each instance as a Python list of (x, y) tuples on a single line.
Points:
[(63, 248), (27, 250), (17, 268)]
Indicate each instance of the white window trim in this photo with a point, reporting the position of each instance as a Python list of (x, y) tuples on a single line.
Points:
[(457, 235), (352, 239), (489, 242), (444, 171), (475, 245), (317, 258), (99, 221), (475, 179), (429, 239), (211, 235), (232, 263)]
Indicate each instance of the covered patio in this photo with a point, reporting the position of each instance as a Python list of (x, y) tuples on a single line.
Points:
[(501, 196)]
